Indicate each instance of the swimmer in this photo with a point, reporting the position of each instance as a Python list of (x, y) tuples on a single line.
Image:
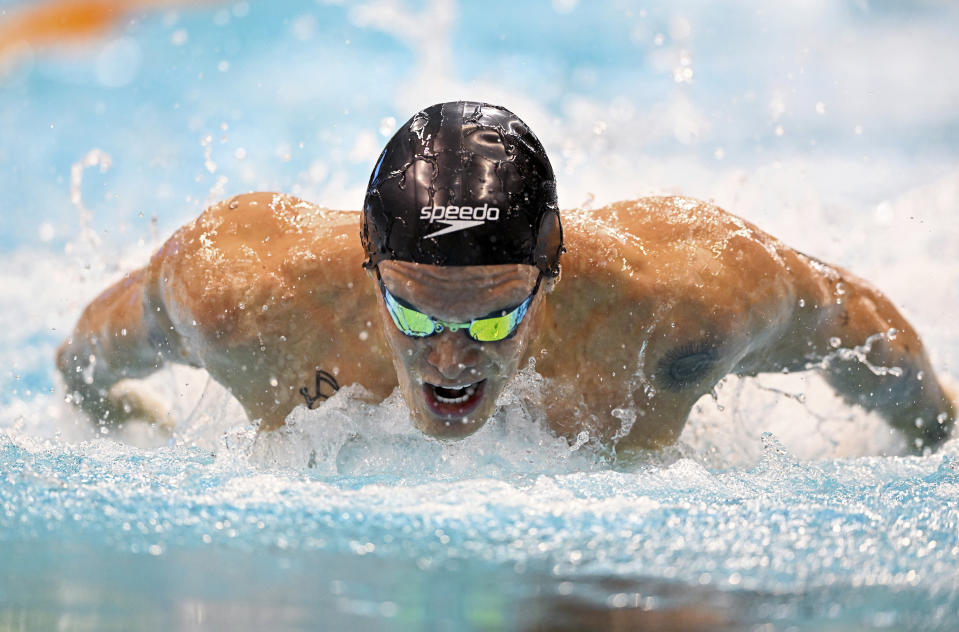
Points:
[(462, 272)]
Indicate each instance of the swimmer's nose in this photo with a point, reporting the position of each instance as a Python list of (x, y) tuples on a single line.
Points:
[(452, 354)]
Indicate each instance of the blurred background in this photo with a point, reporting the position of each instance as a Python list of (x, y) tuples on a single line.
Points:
[(628, 97)]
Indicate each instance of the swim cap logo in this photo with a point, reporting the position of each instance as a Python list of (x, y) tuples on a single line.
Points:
[(458, 217)]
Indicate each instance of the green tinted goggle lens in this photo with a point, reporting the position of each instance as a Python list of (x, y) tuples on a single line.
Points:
[(492, 328)]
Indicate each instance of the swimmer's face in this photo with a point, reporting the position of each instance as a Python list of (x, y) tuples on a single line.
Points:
[(450, 381)]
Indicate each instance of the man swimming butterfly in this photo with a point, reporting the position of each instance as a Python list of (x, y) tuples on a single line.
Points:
[(658, 299)]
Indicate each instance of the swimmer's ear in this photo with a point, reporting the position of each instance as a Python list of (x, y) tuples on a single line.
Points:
[(550, 282)]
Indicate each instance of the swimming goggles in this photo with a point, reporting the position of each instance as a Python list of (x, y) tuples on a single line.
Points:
[(493, 327)]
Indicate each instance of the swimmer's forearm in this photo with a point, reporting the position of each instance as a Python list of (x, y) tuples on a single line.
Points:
[(874, 357), (866, 349), (110, 343), (905, 391)]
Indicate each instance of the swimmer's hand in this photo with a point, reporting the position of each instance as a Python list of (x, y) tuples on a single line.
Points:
[(127, 400), (134, 400)]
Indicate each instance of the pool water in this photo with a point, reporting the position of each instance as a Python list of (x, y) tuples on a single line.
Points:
[(831, 125)]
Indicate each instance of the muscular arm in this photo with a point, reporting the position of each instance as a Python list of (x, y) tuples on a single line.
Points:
[(708, 294), (865, 349), (262, 291), (121, 335)]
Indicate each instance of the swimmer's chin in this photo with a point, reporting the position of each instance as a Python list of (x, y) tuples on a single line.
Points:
[(447, 429)]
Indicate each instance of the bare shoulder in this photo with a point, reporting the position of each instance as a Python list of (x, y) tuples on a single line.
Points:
[(675, 246), (668, 282), (260, 226), (675, 225), (252, 252)]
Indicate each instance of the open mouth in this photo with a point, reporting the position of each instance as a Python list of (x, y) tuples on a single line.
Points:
[(453, 401)]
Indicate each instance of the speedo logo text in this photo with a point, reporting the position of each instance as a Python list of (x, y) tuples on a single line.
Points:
[(458, 218)]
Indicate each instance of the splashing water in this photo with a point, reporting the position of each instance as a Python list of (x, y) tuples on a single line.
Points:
[(773, 508)]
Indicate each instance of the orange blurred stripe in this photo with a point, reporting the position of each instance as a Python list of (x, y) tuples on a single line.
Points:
[(57, 21)]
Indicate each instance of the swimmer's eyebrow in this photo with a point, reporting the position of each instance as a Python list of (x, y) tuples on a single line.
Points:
[(473, 282), (512, 285), (465, 276), (498, 311)]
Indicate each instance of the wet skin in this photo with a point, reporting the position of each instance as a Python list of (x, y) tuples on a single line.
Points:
[(451, 358), (658, 299)]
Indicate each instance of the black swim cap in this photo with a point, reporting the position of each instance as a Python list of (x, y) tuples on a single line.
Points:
[(462, 184)]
